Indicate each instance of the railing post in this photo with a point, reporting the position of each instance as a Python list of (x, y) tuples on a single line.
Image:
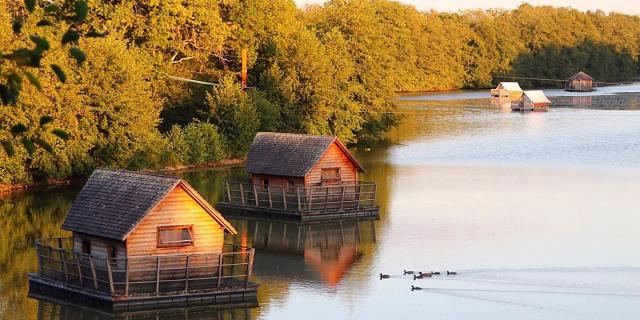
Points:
[(326, 198), (110, 274), (373, 199), (126, 278), (63, 260), (241, 193), (255, 195), (93, 272), (249, 266), (220, 260), (299, 203), (310, 198), (284, 198), (157, 275), (359, 189), (226, 183), (342, 199), (269, 192), (77, 255), (186, 277)]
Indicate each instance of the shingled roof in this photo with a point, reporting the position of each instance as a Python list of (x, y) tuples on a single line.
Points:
[(580, 76), (113, 202), (288, 154)]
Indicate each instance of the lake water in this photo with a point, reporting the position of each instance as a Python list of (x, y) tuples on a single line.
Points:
[(537, 212)]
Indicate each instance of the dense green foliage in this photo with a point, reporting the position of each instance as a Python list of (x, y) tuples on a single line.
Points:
[(324, 69)]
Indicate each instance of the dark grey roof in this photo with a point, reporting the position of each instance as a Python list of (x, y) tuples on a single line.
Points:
[(580, 76), (288, 154), (112, 202)]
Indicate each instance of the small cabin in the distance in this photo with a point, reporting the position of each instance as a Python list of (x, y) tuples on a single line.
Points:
[(122, 214), (507, 89), (580, 82), (300, 160)]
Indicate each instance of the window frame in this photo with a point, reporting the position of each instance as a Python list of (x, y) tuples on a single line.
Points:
[(182, 243), (265, 183), (86, 246), (338, 176)]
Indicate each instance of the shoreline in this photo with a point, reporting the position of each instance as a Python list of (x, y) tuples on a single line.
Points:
[(7, 190)]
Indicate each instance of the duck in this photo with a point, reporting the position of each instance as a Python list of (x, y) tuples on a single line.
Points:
[(408, 272), (415, 288), (451, 273), (421, 275), (435, 273), (384, 276)]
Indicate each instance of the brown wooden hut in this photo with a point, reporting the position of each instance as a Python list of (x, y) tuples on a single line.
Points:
[(300, 173), (139, 239), (580, 82), (532, 100), (292, 160)]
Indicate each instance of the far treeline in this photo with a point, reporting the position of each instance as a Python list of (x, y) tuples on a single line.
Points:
[(323, 69)]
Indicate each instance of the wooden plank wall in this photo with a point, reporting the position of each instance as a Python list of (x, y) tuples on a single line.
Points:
[(276, 181), (334, 157), (177, 208), (99, 247)]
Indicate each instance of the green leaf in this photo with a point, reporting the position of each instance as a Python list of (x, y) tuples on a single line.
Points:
[(25, 57), (41, 43), (45, 119), (61, 134), (44, 23), (33, 80), (17, 26), (8, 148), (77, 54), (45, 145), (14, 82), (82, 9), (30, 4), (59, 73), (95, 34), (70, 36), (28, 144), (51, 8), (18, 129)]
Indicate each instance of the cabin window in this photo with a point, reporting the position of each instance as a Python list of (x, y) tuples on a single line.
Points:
[(112, 253), (175, 236), (330, 174), (265, 184), (86, 246), (291, 186)]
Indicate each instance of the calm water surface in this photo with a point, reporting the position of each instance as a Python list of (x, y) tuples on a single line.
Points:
[(537, 212)]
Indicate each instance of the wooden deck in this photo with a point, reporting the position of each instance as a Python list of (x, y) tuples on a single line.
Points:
[(134, 282), (300, 203)]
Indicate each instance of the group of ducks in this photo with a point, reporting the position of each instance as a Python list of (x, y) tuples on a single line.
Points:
[(420, 274)]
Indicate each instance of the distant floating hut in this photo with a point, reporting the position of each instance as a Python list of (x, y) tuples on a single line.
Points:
[(300, 176), (532, 100), (142, 239), (507, 89), (580, 82)]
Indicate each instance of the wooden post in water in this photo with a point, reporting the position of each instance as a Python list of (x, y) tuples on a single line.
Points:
[(249, 266), (226, 182)]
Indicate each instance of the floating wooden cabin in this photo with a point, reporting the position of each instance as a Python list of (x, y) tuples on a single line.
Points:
[(143, 239), (507, 89), (580, 82), (532, 100), (300, 176)]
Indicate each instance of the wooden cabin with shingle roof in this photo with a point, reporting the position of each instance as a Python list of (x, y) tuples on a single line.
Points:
[(580, 82), (301, 175), (142, 237)]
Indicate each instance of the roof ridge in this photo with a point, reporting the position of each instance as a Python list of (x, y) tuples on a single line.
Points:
[(142, 173)]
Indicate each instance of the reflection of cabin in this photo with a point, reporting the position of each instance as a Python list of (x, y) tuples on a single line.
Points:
[(142, 234), (580, 82), (507, 89), (532, 100), (301, 175)]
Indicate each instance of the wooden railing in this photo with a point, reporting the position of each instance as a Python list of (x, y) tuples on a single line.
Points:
[(301, 200), (145, 275)]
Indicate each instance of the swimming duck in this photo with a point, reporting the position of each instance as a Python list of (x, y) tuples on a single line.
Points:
[(451, 273), (384, 276), (415, 288), (422, 275), (435, 273), (408, 272)]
